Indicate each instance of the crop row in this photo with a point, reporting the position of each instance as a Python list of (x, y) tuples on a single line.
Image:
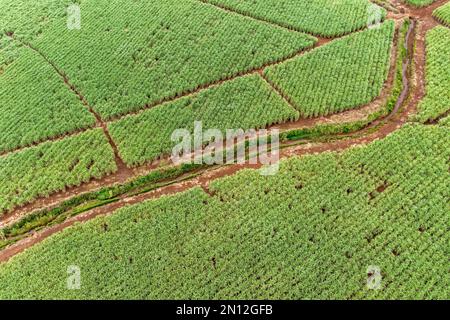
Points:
[(342, 75), (443, 14), (437, 99), (420, 3), (35, 104), (309, 232), (244, 103), (53, 166), (320, 17), (127, 56), (29, 19)]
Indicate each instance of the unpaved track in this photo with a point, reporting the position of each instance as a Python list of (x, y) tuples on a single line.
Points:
[(124, 173), (362, 137)]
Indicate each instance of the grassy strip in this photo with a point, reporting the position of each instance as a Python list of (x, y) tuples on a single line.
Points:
[(91, 200)]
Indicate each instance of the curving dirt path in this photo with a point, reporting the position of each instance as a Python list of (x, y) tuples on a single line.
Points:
[(413, 92), (124, 173)]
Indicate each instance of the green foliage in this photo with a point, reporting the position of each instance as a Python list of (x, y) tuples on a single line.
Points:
[(35, 104), (341, 75), (402, 54), (127, 56), (443, 14), (320, 17), (29, 18), (420, 3), (86, 201), (445, 121), (53, 166), (310, 231), (437, 99), (243, 103)]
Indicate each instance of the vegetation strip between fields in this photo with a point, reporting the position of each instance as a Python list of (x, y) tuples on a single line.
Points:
[(103, 124)]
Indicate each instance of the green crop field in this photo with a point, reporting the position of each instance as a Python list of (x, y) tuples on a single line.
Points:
[(319, 85), (437, 100), (308, 232), (53, 166), (319, 17), (344, 195), (27, 82), (443, 14), (245, 103)]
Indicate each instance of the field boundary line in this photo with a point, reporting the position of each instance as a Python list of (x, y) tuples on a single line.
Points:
[(99, 121), (355, 114), (280, 93), (188, 93)]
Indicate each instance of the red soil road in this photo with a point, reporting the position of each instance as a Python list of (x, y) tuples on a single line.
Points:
[(99, 122), (203, 181), (124, 173), (392, 124)]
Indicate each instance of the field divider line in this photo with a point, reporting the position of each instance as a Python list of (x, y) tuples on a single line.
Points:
[(99, 121), (203, 87)]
